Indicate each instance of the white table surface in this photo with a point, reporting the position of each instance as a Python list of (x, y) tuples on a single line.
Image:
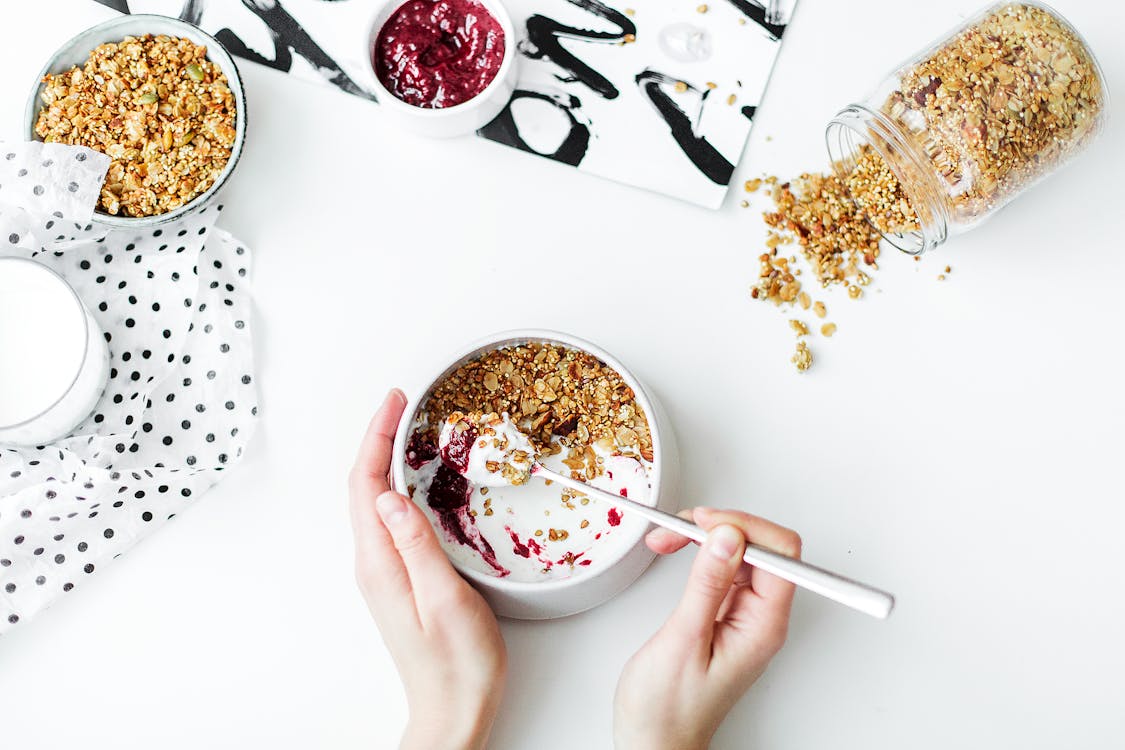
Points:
[(957, 442)]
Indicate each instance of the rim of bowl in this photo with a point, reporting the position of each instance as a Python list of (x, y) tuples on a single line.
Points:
[(515, 338), (170, 26), (85, 338), (379, 18)]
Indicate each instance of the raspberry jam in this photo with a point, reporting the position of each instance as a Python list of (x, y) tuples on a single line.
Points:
[(449, 498), (455, 454), (438, 53), (420, 451)]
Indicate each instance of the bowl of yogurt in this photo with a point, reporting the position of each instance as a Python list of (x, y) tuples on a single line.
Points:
[(442, 68), (534, 549)]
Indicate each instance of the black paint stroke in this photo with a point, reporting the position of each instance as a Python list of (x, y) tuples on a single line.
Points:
[(756, 12), (192, 11), (285, 32), (288, 38), (544, 41), (697, 148), (571, 151)]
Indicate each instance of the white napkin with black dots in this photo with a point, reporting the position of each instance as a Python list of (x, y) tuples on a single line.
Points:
[(180, 405)]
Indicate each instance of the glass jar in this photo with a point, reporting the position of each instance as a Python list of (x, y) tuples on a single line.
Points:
[(973, 120)]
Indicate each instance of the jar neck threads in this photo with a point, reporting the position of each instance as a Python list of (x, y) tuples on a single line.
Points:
[(857, 126)]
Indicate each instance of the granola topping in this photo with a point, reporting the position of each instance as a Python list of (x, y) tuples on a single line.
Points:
[(158, 108), (548, 392)]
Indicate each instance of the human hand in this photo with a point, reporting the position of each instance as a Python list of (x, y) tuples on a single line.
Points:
[(441, 634), (676, 690)]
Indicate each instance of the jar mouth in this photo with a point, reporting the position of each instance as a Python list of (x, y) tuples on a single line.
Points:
[(855, 127)]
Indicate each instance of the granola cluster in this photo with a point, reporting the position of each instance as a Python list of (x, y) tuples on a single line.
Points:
[(158, 108), (1000, 104), (560, 398)]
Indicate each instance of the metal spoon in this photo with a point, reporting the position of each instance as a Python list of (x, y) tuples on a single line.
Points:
[(836, 587)]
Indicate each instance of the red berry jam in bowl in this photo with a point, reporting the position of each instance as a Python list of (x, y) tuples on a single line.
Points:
[(436, 54)]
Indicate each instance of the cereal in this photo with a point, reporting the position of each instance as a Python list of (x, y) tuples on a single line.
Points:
[(837, 223), (803, 357), (548, 391), (834, 236), (160, 110), (876, 190)]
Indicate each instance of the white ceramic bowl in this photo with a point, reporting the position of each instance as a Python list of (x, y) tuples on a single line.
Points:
[(558, 598), (460, 119), (77, 51)]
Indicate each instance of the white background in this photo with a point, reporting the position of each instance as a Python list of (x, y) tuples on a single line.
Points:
[(957, 442)]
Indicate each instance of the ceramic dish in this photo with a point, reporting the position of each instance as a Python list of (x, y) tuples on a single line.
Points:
[(460, 119), (619, 564), (77, 51)]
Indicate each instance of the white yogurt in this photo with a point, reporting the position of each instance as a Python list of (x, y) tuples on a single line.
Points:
[(53, 358), (499, 443), (529, 532)]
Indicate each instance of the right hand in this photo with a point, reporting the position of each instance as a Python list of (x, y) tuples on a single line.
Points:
[(676, 690)]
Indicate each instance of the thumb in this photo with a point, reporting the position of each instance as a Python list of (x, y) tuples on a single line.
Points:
[(427, 567), (712, 575)]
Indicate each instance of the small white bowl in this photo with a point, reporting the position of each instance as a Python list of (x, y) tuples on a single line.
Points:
[(460, 119), (558, 598), (77, 51)]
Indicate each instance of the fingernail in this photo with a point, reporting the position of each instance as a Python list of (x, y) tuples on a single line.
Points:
[(395, 394), (723, 542), (391, 507)]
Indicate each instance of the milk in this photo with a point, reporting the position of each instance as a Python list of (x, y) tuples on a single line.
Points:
[(53, 358)]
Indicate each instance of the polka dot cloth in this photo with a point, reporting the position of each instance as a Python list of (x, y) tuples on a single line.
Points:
[(180, 404)]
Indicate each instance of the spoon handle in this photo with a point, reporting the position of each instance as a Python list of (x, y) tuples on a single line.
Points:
[(850, 593)]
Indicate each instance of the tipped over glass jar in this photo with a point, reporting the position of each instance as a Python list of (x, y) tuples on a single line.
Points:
[(969, 123)]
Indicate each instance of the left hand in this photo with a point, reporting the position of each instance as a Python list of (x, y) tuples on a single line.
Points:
[(442, 635)]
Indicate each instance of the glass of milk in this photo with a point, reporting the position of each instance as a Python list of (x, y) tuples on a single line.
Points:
[(54, 363)]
